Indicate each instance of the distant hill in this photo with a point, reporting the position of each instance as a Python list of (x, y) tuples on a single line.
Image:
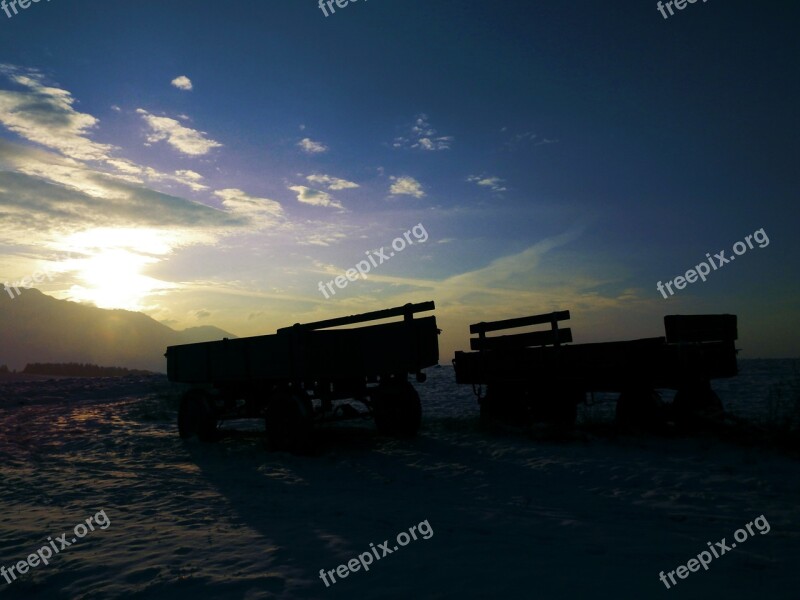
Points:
[(201, 334), (35, 328), (79, 370)]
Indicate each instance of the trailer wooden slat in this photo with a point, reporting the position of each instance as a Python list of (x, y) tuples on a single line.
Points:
[(523, 340), (552, 317), (697, 348), (406, 310)]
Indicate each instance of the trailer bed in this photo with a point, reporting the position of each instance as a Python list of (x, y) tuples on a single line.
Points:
[(293, 378), (603, 366), (541, 375), (303, 354)]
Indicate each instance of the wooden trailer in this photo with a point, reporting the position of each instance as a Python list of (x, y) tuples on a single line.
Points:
[(294, 377), (541, 375)]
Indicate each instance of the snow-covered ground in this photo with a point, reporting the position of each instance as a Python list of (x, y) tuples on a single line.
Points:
[(514, 515)]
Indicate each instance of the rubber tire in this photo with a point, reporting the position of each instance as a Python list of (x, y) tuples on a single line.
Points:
[(555, 405), (397, 410), (565, 411), (195, 417), (695, 405), (289, 422), (505, 402), (640, 408)]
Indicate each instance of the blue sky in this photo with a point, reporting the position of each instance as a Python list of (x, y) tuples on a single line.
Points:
[(558, 155)]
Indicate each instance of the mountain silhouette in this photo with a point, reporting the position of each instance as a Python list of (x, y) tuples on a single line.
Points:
[(35, 327)]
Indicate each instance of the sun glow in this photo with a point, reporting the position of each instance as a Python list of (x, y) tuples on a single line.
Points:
[(111, 272)]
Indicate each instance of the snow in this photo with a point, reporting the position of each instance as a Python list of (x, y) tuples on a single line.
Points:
[(515, 514)]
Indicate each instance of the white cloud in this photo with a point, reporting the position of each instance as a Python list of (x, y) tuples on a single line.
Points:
[(332, 183), (182, 83), (309, 146), (190, 179), (423, 137), (260, 210), (125, 166), (322, 239), (44, 197), (526, 137), (406, 186), (493, 183), (45, 115), (185, 140), (134, 173), (307, 195)]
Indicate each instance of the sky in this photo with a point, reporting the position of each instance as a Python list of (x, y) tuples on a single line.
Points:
[(212, 163)]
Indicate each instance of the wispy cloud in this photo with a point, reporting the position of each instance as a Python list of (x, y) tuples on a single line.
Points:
[(516, 271), (45, 115), (525, 138), (44, 197), (72, 198), (516, 284), (406, 186), (259, 210), (191, 179), (309, 146), (130, 171), (322, 238), (493, 183), (308, 195), (526, 282), (423, 137), (184, 139), (182, 82), (332, 183)]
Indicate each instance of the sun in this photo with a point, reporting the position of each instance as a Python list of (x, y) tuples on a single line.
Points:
[(111, 274)]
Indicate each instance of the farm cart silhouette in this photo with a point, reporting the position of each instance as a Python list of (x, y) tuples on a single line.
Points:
[(541, 376), (292, 378)]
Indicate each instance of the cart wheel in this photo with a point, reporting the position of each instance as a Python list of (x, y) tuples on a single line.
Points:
[(397, 409), (640, 408), (289, 421), (563, 410), (697, 404), (554, 404), (195, 417), (505, 402)]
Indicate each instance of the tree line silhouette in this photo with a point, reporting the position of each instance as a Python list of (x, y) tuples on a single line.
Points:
[(76, 370)]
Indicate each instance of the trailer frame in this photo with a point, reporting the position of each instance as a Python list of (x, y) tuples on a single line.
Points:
[(541, 376), (294, 378)]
